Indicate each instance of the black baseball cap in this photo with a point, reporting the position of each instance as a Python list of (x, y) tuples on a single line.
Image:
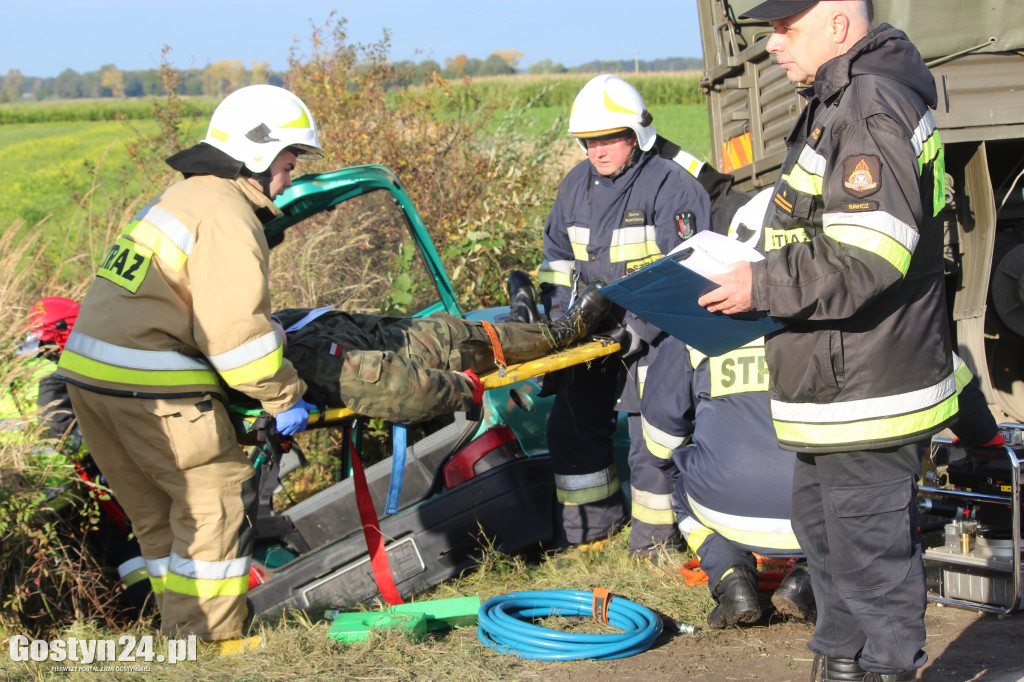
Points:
[(778, 9)]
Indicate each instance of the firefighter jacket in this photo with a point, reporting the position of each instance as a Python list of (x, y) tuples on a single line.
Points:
[(609, 227), (854, 259), (711, 416), (181, 302)]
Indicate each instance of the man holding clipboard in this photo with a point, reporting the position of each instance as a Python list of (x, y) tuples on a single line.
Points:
[(862, 376)]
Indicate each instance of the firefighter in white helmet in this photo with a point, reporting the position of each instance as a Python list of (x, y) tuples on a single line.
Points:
[(180, 308), (625, 206)]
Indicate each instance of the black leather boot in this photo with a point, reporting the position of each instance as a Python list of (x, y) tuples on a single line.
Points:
[(736, 594), (522, 298), (905, 676), (794, 596), (584, 315), (830, 669)]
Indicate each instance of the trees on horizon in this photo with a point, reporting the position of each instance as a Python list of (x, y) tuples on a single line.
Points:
[(223, 76)]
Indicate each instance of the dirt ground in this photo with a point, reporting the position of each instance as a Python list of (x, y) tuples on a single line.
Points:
[(962, 645)]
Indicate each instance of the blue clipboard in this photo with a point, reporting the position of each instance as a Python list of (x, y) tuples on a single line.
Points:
[(665, 294)]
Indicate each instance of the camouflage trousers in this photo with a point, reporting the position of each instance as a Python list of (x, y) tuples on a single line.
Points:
[(401, 369)]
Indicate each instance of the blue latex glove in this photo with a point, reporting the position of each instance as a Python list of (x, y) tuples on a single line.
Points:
[(294, 419)]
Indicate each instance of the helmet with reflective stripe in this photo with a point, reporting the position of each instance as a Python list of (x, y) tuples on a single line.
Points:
[(256, 123), (607, 104), (52, 319)]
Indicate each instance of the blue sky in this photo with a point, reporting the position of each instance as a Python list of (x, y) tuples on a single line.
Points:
[(44, 37)]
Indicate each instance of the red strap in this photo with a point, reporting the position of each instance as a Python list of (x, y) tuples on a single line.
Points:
[(108, 504), (499, 355), (371, 531)]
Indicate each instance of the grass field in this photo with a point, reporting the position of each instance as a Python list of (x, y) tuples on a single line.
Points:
[(297, 647), (46, 168)]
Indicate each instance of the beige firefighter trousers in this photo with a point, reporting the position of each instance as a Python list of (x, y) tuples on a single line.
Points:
[(176, 467)]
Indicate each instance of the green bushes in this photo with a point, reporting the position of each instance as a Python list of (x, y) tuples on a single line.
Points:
[(481, 183)]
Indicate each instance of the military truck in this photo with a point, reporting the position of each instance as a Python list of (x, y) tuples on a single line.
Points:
[(975, 50)]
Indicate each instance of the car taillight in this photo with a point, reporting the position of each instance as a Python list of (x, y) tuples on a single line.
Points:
[(493, 447)]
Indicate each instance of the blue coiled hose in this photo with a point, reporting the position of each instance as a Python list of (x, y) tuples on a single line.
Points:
[(502, 626)]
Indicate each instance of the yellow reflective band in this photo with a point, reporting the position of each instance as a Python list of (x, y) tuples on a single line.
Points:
[(207, 589), (579, 238), (655, 517), (266, 366), (690, 162), (136, 576), (694, 533), (805, 182), (166, 250), (126, 264), (931, 149), (939, 182), (652, 508), (749, 531), (739, 371), (875, 242), (158, 583), (627, 252), (961, 372), (865, 431), (554, 277), (301, 122), (939, 179), (660, 443), (218, 134), (94, 369), (775, 238), (656, 449), (587, 488), (557, 272)]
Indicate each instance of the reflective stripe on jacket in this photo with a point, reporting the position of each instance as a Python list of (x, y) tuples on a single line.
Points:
[(181, 302), (865, 361)]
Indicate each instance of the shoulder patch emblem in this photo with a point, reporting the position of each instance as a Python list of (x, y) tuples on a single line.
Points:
[(862, 175), (684, 224)]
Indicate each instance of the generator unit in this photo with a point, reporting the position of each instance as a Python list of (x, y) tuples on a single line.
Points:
[(976, 494)]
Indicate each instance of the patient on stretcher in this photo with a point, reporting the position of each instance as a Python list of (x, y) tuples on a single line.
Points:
[(407, 369)]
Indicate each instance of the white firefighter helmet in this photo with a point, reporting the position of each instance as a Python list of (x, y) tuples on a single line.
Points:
[(256, 123), (608, 104), (748, 222)]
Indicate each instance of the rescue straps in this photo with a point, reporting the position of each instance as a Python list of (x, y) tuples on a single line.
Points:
[(371, 531), (399, 438), (504, 625), (499, 354)]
